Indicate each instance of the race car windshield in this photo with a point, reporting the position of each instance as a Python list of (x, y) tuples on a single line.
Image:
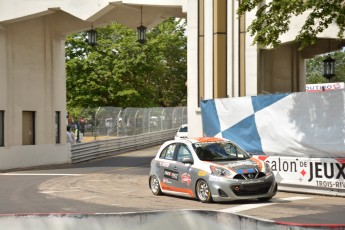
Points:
[(219, 151)]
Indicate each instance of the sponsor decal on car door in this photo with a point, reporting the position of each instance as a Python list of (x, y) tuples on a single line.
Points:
[(170, 177), (185, 170), (185, 182)]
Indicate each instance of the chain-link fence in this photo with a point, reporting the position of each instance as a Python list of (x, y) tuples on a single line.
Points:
[(108, 122)]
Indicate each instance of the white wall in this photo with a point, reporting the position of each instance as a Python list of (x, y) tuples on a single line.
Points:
[(251, 61), (233, 50), (16, 157), (32, 79)]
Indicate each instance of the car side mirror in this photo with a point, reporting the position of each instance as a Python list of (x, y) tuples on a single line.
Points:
[(187, 160)]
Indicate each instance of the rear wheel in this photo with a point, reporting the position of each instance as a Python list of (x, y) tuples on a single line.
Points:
[(203, 191), (155, 186)]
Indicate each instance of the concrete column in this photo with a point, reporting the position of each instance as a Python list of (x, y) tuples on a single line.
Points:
[(208, 25), (220, 49), (194, 116), (201, 50), (3, 68), (3, 80)]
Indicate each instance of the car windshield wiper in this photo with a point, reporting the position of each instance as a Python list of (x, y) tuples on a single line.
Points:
[(224, 159)]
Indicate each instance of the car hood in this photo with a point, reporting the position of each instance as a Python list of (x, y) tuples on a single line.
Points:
[(242, 166)]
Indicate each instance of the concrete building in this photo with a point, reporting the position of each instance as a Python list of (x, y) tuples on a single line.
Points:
[(221, 63), (32, 69)]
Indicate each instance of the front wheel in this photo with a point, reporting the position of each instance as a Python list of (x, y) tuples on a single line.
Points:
[(203, 192), (155, 186)]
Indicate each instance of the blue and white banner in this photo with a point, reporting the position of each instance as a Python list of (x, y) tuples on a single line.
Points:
[(292, 124)]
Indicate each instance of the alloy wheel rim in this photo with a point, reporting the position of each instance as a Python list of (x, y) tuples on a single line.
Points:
[(203, 191), (154, 184)]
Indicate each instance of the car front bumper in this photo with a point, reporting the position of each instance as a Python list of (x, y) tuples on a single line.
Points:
[(225, 189)]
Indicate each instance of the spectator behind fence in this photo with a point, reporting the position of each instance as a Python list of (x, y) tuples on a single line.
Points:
[(69, 135), (73, 136)]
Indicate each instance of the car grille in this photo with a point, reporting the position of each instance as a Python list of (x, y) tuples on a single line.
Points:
[(249, 176), (251, 189)]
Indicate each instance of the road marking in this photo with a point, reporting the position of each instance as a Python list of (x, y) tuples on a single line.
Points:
[(60, 191), (292, 198), (252, 206), (88, 197), (39, 174), (115, 204), (71, 174)]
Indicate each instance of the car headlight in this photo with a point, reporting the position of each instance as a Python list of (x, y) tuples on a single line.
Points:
[(268, 170), (219, 171)]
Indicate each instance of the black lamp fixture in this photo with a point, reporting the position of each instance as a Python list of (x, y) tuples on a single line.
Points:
[(92, 37), (141, 30), (329, 65)]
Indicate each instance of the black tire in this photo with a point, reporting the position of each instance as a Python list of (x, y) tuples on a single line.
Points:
[(203, 191), (155, 186)]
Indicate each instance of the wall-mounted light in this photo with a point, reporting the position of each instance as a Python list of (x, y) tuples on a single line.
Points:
[(92, 37), (141, 30), (329, 65)]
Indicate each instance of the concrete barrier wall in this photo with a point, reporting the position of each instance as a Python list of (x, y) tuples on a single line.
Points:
[(16, 157), (168, 220)]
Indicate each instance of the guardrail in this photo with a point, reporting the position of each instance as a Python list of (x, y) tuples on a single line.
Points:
[(98, 149)]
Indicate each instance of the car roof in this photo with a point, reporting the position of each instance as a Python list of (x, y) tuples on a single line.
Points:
[(201, 139), (206, 139)]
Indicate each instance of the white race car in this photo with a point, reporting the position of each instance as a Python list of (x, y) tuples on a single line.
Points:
[(210, 169)]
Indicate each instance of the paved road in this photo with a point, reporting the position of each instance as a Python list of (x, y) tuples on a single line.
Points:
[(120, 184)]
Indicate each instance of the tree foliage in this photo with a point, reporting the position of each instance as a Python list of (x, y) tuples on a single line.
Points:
[(273, 19), (315, 68), (120, 72)]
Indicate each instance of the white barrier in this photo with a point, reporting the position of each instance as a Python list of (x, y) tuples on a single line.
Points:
[(291, 124), (309, 175), (27, 156), (169, 220), (301, 135)]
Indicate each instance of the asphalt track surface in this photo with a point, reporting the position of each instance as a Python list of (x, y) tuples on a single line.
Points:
[(119, 184)]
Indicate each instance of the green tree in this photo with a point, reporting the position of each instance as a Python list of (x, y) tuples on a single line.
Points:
[(167, 59), (120, 72), (273, 19)]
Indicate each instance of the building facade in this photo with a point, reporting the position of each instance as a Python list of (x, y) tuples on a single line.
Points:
[(222, 62), (32, 69)]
